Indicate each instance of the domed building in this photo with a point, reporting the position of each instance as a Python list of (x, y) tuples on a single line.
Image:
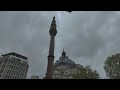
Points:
[(64, 68)]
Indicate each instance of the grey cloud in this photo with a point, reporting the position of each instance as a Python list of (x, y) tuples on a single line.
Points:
[(87, 37)]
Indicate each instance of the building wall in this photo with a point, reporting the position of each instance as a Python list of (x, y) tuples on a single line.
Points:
[(12, 67), (34, 77), (63, 72)]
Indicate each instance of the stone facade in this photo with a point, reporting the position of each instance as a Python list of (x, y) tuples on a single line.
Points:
[(13, 66), (64, 68)]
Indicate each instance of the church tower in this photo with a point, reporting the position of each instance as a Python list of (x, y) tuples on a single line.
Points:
[(53, 32)]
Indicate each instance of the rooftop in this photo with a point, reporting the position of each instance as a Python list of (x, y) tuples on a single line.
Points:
[(15, 54)]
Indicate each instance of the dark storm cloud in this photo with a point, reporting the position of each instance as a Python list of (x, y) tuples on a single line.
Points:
[(87, 37)]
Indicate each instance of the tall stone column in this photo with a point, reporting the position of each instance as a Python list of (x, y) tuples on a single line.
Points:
[(53, 32)]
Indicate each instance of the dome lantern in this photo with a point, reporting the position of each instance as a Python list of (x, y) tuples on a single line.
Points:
[(63, 53)]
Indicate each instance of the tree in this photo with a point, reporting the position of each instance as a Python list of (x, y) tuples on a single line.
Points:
[(86, 73), (112, 66)]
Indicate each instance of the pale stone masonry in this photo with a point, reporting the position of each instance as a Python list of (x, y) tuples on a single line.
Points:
[(13, 66), (64, 68)]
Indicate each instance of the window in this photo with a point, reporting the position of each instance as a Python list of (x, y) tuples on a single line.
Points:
[(21, 69), (13, 67), (5, 61), (6, 77), (18, 68), (10, 66), (1, 71), (11, 72), (9, 62), (22, 74), (3, 66), (7, 66), (10, 77), (16, 73), (0, 75), (8, 72), (3, 77), (13, 62)]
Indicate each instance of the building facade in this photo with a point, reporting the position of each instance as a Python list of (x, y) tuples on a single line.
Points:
[(13, 66), (64, 68), (34, 77)]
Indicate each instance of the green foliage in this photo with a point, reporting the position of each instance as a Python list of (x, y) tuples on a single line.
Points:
[(112, 66), (86, 73)]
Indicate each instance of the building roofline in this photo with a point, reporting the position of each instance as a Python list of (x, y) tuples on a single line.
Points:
[(15, 54)]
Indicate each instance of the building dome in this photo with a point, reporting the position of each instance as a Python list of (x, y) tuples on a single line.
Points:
[(64, 68), (64, 60)]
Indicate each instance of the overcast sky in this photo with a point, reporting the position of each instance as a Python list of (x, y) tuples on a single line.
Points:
[(88, 37)]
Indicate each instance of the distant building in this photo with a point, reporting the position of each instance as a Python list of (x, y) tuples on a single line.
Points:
[(34, 77), (13, 66), (64, 68)]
